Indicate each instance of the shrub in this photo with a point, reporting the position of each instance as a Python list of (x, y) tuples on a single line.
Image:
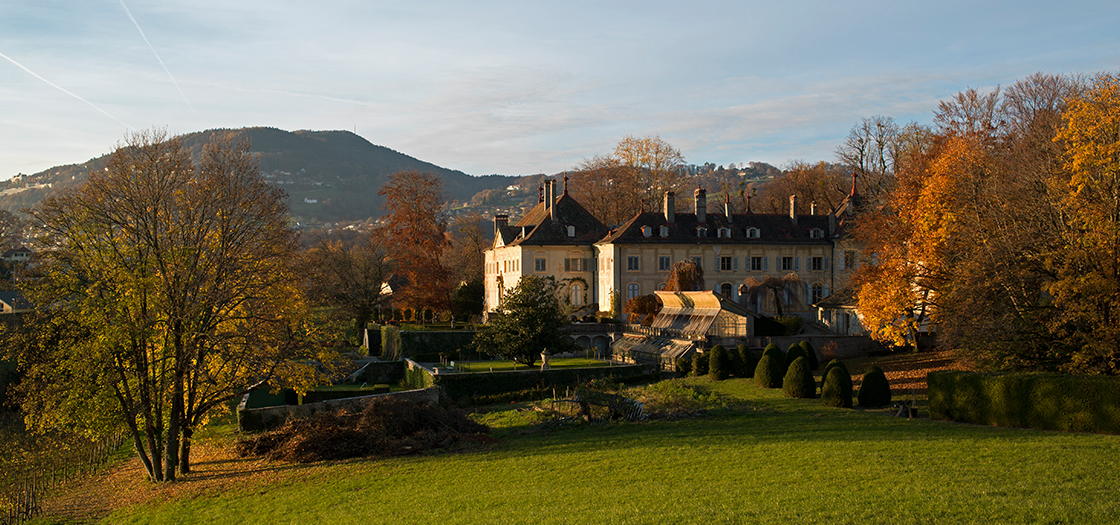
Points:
[(792, 354), (811, 353), (684, 366), (699, 364), (798, 381), (748, 360), (736, 364), (830, 366), (768, 372), (791, 322), (719, 366), (836, 390), (874, 390)]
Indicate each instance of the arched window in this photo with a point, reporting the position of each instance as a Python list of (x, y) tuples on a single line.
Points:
[(816, 233), (724, 233), (647, 231), (702, 231), (725, 290), (577, 294), (664, 231), (632, 291), (752, 233), (571, 231)]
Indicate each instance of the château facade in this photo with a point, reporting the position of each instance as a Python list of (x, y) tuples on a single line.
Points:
[(560, 238)]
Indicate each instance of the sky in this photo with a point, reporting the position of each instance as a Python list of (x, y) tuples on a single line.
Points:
[(519, 87)]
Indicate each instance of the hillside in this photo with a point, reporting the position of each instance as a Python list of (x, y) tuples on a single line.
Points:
[(338, 170)]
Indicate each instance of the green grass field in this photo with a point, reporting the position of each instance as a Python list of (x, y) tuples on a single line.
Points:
[(769, 460), (505, 366)]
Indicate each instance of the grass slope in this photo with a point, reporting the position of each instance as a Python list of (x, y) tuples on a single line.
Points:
[(777, 461)]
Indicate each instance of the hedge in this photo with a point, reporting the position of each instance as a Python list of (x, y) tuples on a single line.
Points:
[(462, 387), (1042, 401)]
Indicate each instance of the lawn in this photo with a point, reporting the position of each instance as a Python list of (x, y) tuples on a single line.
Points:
[(767, 460), (505, 366)]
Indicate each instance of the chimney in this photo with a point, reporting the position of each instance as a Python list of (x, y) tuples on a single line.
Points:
[(813, 208), (670, 207), (701, 205), (793, 208), (727, 206), (500, 221), (552, 199), (565, 184)]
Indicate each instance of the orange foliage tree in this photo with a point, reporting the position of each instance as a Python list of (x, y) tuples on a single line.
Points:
[(415, 231)]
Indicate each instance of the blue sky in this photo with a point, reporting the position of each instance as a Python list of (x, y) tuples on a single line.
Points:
[(518, 87)]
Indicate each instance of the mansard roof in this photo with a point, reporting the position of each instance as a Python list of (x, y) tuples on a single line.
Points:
[(544, 227), (772, 229)]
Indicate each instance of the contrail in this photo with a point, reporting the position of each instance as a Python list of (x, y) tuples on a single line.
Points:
[(6, 57), (157, 57)]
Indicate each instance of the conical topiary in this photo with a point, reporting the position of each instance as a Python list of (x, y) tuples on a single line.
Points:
[(767, 373), (699, 364), (830, 365), (684, 366), (811, 353), (718, 364), (775, 352), (837, 388), (792, 354), (798, 381), (748, 359), (874, 390)]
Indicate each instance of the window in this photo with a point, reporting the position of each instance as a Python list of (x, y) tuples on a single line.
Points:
[(724, 233), (540, 264), (788, 263), (752, 233), (698, 261), (725, 290), (725, 264), (632, 291), (849, 260), (571, 231), (702, 231), (816, 264), (577, 294), (756, 264), (818, 292), (816, 233), (664, 231), (664, 263), (647, 231), (632, 263), (577, 265)]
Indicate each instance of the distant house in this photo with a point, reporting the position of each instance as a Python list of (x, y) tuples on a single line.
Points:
[(13, 302), (688, 323), (17, 255)]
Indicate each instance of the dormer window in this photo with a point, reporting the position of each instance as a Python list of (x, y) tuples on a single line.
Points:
[(724, 233), (571, 231), (664, 231), (816, 233), (702, 231), (752, 233), (647, 231)]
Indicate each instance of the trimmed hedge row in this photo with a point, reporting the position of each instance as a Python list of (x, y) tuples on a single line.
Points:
[(461, 387), (1042, 401)]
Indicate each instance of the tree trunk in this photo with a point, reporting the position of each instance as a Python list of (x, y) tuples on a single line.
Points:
[(185, 450), (173, 429)]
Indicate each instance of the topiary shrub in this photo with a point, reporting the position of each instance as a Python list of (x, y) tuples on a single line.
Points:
[(830, 366), (748, 360), (874, 390), (699, 364), (719, 366), (736, 365), (792, 354), (798, 382), (811, 353), (836, 390), (684, 366), (773, 350), (768, 373)]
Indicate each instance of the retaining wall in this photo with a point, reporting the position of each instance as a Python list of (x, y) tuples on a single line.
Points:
[(257, 419)]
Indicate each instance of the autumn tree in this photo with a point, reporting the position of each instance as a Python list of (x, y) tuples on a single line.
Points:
[(414, 229), (630, 180), (347, 271), (821, 183), (165, 290), (788, 287), (528, 321), (684, 276)]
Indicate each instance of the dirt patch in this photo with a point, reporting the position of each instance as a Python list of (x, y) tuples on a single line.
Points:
[(907, 372)]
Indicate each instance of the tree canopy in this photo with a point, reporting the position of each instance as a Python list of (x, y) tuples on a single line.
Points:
[(528, 321), (165, 290)]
